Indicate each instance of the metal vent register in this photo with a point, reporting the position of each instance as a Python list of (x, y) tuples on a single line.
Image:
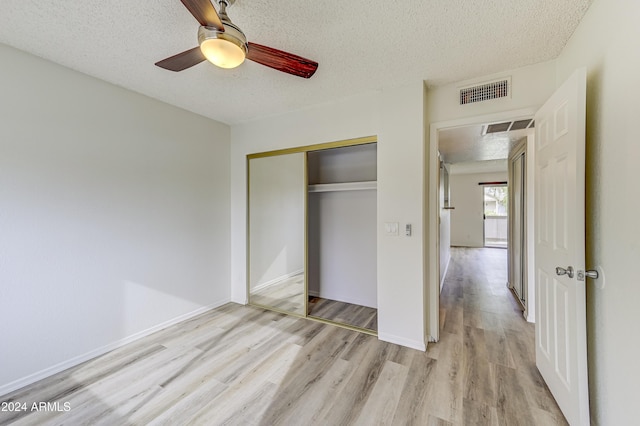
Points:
[(486, 91), (508, 126)]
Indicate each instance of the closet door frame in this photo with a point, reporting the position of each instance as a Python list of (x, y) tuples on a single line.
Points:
[(300, 149), (519, 153)]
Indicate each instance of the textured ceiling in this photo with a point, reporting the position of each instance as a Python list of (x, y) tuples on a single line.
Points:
[(360, 45), (490, 166), (467, 144)]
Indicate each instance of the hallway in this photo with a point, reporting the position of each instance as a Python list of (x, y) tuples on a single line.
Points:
[(488, 347)]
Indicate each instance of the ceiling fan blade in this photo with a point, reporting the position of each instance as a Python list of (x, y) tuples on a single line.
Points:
[(204, 13), (281, 61), (183, 60)]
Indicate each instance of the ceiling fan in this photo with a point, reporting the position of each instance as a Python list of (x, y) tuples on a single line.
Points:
[(224, 44)]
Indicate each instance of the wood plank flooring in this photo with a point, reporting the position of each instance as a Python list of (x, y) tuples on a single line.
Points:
[(489, 347), (344, 313), (241, 365), (286, 295)]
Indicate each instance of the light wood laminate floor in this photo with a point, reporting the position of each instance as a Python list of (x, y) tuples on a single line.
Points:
[(286, 295), (241, 365), (489, 347), (344, 313)]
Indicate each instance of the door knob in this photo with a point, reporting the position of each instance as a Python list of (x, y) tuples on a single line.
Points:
[(593, 274), (562, 271)]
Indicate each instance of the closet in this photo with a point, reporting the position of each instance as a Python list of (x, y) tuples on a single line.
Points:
[(342, 235), (312, 232)]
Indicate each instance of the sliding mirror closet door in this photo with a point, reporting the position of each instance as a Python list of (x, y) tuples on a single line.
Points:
[(277, 188)]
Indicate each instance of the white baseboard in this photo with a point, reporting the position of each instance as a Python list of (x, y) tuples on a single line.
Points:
[(277, 280), (50, 371), (403, 341), (239, 301), (529, 316)]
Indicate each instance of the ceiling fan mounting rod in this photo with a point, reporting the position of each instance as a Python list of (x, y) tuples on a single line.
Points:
[(223, 4)]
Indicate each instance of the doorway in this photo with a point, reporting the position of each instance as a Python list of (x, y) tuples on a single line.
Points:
[(495, 204), (469, 156), (559, 152)]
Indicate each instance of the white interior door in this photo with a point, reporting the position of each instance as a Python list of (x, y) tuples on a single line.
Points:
[(561, 344)]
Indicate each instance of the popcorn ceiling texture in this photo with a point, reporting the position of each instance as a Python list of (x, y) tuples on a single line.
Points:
[(361, 45)]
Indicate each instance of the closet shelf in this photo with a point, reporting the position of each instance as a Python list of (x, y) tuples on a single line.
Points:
[(343, 186)]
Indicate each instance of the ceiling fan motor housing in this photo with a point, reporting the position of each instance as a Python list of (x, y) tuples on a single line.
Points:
[(231, 33)]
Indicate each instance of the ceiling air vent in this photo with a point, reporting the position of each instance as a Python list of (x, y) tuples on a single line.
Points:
[(520, 124), (485, 91), (507, 126), (498, 127)]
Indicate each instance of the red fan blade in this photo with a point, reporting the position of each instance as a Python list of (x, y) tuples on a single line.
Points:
[(281, 61), (204, 13), (183, 60)]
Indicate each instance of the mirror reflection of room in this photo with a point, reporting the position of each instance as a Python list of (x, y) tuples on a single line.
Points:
[(342, 235), (276, 232)]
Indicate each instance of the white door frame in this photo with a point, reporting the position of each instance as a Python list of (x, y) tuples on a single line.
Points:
[(529, 151), (433, 249)]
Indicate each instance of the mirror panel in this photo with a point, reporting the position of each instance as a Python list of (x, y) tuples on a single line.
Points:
[(277, 198)]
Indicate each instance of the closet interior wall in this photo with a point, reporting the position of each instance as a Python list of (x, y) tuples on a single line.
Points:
[(342, 205)]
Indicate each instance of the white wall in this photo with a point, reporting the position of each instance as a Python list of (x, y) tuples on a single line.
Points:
[(401, 198), (530, 87), (606, 42), (342, 246), (396, 116), (114, 216), (467, 224), (348, 164)]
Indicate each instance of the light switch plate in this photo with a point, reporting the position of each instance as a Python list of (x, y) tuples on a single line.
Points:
[(391, 228)]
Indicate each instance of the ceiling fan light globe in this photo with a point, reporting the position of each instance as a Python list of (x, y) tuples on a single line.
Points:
[(222, 53), (226, 49)]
